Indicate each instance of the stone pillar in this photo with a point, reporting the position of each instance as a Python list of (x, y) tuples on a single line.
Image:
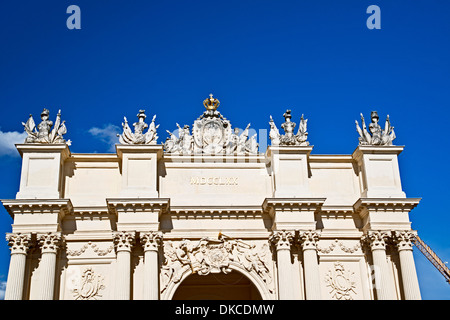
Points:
[(123, 241), (19, 243), (151, 242), (403, 240), (377, 242), (308, 241), (49, 244), (282, 241)]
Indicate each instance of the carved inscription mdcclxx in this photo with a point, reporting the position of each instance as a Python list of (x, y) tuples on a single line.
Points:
[(218, 181)]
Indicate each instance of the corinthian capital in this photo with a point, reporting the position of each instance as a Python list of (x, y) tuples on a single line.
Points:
[(19, 243), (282, 239), (151, 240), (308, 239), (404, 239), (123, 240), (50, 242), (376, 239)]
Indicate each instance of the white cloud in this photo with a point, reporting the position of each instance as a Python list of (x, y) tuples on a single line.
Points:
[(2, 290), (8, 140), (107, 134)]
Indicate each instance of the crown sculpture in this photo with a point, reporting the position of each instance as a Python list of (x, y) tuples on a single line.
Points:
[(139, 137), (44, 133), (289, 138), (377, 136), (211, 134)]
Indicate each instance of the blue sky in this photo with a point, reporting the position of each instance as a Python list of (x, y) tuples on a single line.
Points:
[(258, 58)]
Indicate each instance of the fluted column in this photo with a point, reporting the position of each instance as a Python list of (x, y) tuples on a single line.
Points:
[(403, 240), (377, 241), (151, 242), (49, 243), (19, 243), (308, 240), (123, 241), (282, 241)]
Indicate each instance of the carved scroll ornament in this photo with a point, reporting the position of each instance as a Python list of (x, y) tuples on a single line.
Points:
[(214, 256)]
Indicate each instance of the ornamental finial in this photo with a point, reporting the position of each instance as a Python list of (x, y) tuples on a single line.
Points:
[(211, 103)]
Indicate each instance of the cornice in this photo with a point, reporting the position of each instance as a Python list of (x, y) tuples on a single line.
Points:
[(38, 206), (139, 148), (360, 150), (385, 204), (44, 148), (219, 210), (138, 205), (290, 204)]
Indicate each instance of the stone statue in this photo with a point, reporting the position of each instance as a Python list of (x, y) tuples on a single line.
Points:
[(289, 138), (211, 134), (139, 137), (181, 144), (377, 136), (44, 132)]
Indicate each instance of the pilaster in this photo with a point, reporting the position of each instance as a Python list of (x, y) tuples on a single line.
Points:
[(49, 243), (377, 242), (403, 241), (151, 242), (19, 245), (308, 241), (282, 241), (123, 241)]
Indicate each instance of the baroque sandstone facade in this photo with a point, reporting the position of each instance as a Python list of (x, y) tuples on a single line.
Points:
[(207, 216)]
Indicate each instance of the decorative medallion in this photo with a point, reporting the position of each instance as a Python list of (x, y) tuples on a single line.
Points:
[(341, 282), (211, 134), (213, 256), (89, 286)]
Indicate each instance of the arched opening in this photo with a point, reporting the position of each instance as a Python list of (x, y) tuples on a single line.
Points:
[(217, 286)]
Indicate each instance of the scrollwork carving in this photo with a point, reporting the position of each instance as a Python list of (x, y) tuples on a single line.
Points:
[(19, 243), (214, 256), (89, 285), (341, 281)]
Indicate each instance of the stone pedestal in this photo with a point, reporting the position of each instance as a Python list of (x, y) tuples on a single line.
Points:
[(139, 165), (42, 167), (379, 171), (290, 171)]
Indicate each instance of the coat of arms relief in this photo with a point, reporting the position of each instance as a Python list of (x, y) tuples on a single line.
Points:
[(207, 256), (212, 134)]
